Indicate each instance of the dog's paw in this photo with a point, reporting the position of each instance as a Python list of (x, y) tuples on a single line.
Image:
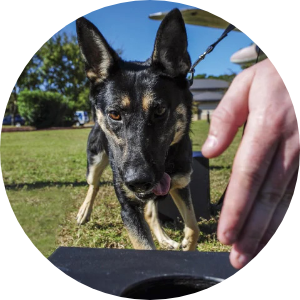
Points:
[(189, 244), (170, 245), (83, 215)]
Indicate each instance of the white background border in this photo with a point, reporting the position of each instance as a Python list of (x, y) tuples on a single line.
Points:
[(26, 25)]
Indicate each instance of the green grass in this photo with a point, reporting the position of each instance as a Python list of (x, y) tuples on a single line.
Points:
[(44, 175)]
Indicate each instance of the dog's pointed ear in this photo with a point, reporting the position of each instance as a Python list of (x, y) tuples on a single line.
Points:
[(170, 49), (99, 57)]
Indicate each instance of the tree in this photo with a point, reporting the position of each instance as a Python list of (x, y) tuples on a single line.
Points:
[(28, 79), (45, 109), (62, 68), (200, 76), (226, 77), (57, 67)]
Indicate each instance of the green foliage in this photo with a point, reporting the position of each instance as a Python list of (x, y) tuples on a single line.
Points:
[(45, 109), (62, 67), (11, 107), (200, 76), (195, 108), (58, 67), (226, 77), (30, 76), (83, 102)]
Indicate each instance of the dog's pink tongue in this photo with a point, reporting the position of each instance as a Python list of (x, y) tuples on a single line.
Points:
[(163, 187)]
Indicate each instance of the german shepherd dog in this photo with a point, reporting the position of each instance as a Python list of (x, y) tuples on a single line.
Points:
[(143, 114)]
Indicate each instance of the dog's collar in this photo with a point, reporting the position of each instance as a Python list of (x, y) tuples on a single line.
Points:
[(208, 50)]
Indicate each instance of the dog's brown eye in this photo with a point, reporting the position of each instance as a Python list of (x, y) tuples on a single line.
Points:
[(160, 111), (115, 115)]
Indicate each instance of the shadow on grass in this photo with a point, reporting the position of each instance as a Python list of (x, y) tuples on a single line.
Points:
[(104, 226), (42, 184), (208, 228), (219, 167)]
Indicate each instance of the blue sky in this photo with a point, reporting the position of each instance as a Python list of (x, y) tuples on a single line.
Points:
[(127, 26)]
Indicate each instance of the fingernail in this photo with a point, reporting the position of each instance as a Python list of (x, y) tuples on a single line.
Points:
[(244, 259), (210, 142)]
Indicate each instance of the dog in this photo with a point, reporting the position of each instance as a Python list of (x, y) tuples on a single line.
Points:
[(142, 123)]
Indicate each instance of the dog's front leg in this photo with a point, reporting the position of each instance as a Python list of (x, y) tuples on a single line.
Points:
[(152, 218), (183, 201), (134, 221), (96, 165)]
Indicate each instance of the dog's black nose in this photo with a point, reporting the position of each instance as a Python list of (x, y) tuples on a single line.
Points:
[(137, 181)]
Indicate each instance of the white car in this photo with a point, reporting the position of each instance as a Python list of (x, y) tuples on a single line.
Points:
[(81, 117)]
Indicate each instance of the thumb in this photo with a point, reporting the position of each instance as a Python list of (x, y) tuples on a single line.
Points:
[(230, 114)]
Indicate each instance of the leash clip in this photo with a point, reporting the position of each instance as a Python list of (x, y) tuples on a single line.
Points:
[(192, 69), (208, 50), (191, 80)]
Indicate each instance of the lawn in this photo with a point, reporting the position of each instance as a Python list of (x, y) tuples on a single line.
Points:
[(44, 175)]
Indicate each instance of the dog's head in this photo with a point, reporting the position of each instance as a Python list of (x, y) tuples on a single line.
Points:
[(143, 108)]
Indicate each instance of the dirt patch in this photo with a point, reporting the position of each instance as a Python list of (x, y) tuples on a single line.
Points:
[(18, 129), (29, 128)]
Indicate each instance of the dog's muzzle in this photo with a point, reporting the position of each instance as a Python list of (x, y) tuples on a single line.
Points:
[(143, 186)]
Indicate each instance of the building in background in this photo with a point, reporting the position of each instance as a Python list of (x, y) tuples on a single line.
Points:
[(207, 93)]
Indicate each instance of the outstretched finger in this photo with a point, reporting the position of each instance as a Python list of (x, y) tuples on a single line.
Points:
[(230, 114)]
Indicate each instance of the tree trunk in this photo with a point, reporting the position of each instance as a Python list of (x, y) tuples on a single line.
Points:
[(13, 107)]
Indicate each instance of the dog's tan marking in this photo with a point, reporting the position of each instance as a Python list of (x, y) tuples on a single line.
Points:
[(181, 109), (96, 169), (181, 123), (94, 77), (179, 181), (137, 242), (147, 100), (100, 162), (108, 132), (85, 210), (191, 229), (155, 54), (100, 119), (90, 74), (128, 192), (151, 217), (125, 101), (100, 72)]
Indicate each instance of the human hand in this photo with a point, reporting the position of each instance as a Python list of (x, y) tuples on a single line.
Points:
[(265, 167)]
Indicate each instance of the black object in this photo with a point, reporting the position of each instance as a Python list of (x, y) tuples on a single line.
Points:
[(143, 274), (200, 192)]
